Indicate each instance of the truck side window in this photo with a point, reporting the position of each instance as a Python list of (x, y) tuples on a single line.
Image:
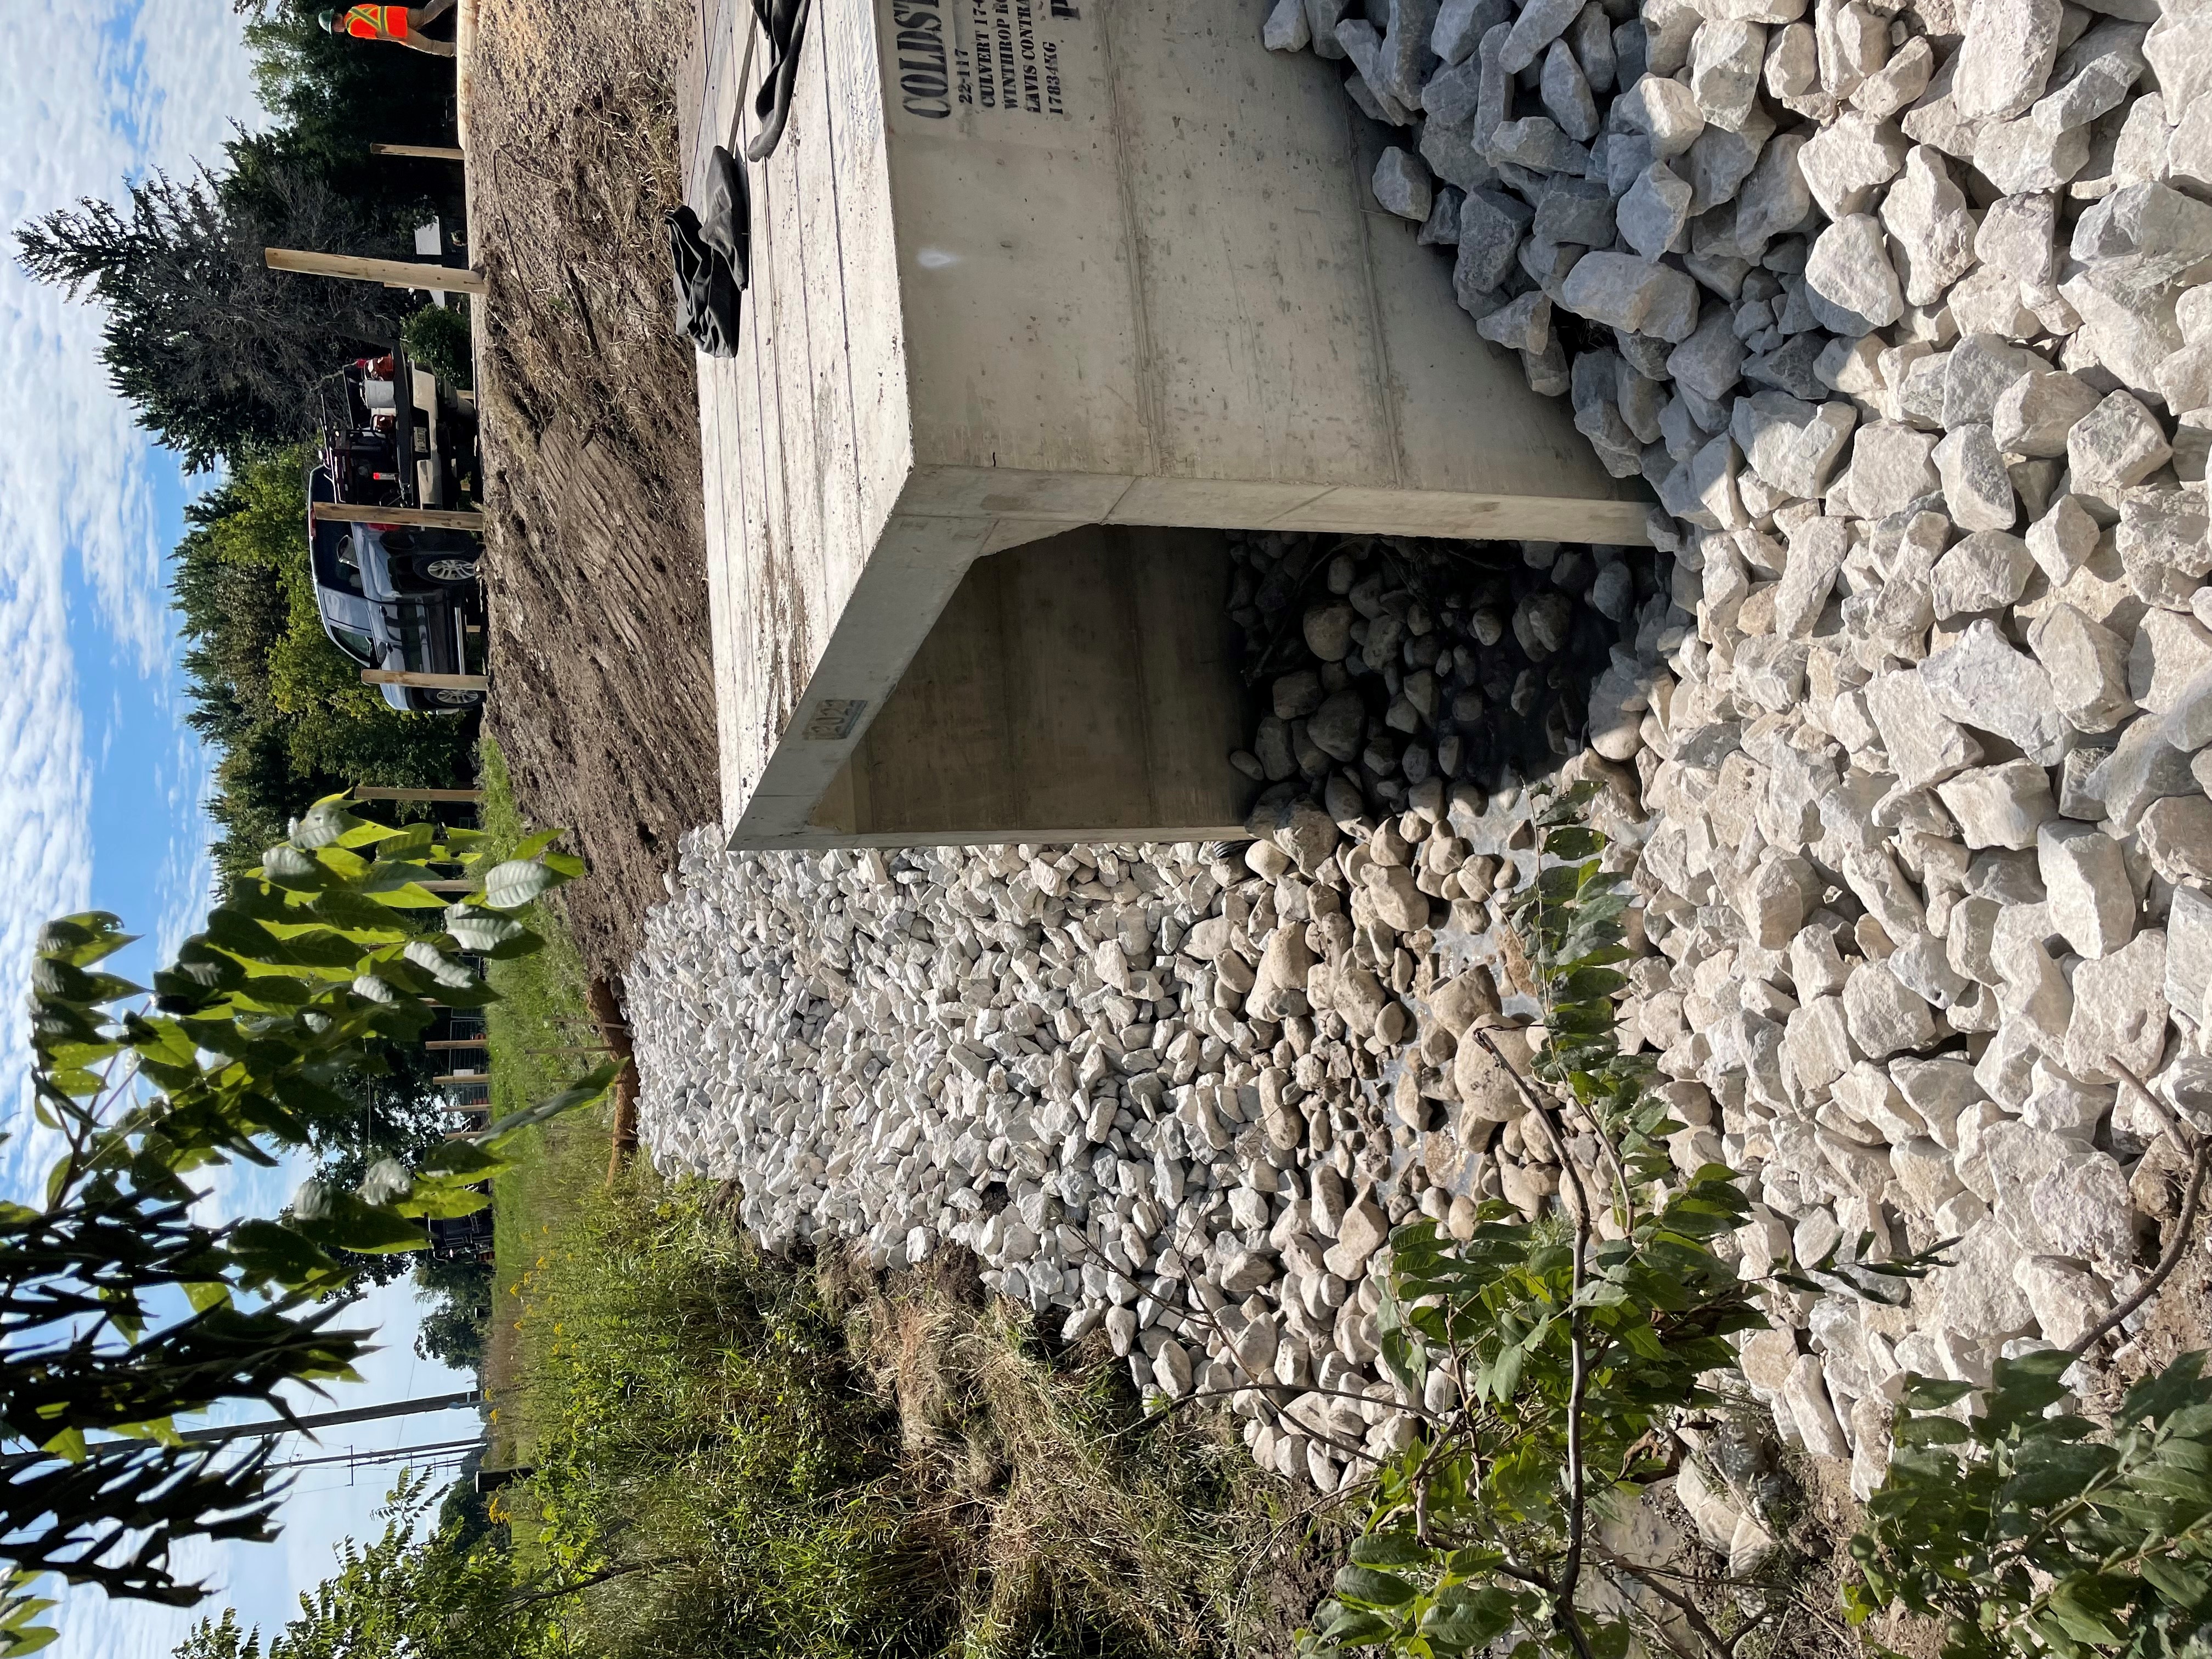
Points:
[(358, 646)]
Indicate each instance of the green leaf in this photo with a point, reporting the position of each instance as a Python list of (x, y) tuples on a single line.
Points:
[(1389, 1549), (441, 1200), (1357, 1627), (84, 938), (536, 844), (356, 913), (1365, 1586), (1503, 1378), (1928, 1393), (2045, 1471), (1573, 843), (2190, 1422), (268, 1253), (412, 842), (1463, 1618), (290, 868), (2087, 1606), (68, 1445), (582, 1093), (323, 824), (2155, 1398), (344, 1222), (460, 1157), (1932, 1432), (2175, 1582), (449, 975), (481, 931), (511, 885), (2020, 1389)]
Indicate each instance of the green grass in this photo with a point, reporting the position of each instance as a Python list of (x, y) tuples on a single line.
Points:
[(813, 1463), (540, 1012), (809, 1463), (541, 1008)]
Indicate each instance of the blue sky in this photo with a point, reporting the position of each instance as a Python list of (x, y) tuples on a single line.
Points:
[(102, 787)]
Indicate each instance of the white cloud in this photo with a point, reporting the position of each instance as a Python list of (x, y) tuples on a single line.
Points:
[(96, 91)]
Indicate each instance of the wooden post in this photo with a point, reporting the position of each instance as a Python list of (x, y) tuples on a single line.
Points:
[(454, 1043), (449, 886), (375, 792), (393, 273), (421, 152), (410, 518), (427, 682), (464, 1077), (614, 1031)]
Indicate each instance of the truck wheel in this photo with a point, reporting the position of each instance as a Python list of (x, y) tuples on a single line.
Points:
[(449, 570)]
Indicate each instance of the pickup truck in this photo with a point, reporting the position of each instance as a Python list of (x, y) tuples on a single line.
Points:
[(393, 596)]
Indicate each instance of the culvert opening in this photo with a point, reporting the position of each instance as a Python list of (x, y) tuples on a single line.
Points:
[(1395, 674)]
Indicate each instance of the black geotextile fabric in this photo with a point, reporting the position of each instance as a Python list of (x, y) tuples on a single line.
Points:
[(712, 257)]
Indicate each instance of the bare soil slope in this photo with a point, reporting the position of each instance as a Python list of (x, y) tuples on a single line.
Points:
[(596, 580)]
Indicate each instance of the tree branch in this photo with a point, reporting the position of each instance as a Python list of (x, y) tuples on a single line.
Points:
[(597, 1578), (1572, 1571)]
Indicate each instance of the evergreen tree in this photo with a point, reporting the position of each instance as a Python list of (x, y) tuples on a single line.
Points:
[(216, 352)]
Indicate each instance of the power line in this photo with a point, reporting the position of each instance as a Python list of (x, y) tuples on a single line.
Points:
[(376, 1455)]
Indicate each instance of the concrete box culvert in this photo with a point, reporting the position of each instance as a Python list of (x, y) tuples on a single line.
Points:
[(1090, 279)]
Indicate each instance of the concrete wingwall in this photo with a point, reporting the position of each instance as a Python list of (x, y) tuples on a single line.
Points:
[(1021, 270)]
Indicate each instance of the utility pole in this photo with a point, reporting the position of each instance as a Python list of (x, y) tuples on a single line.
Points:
[(261, 1430)]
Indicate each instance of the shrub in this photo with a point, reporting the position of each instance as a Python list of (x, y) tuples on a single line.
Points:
[(1568, 1345), (2029, 1530), (437, 338)]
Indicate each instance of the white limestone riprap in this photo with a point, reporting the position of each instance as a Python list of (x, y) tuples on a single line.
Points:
[(1910, 334)]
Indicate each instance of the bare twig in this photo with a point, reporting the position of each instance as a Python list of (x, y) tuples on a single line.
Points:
[(1718, 1646), (2174, 1251), (2180, 1137)]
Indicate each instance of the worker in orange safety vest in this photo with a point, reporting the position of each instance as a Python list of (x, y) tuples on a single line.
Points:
[(399, 24)]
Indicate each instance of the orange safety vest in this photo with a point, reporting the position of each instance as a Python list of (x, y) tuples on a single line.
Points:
[(377, 22)]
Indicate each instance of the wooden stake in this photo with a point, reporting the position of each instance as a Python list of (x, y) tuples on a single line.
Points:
[(421, 152), (373, 792), (454, 1043), (409, 517), (614, 1031), (425, 682), (464, 1077), (393, 273)]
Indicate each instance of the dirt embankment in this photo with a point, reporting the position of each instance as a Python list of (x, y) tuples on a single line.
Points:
[(597, 581)]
